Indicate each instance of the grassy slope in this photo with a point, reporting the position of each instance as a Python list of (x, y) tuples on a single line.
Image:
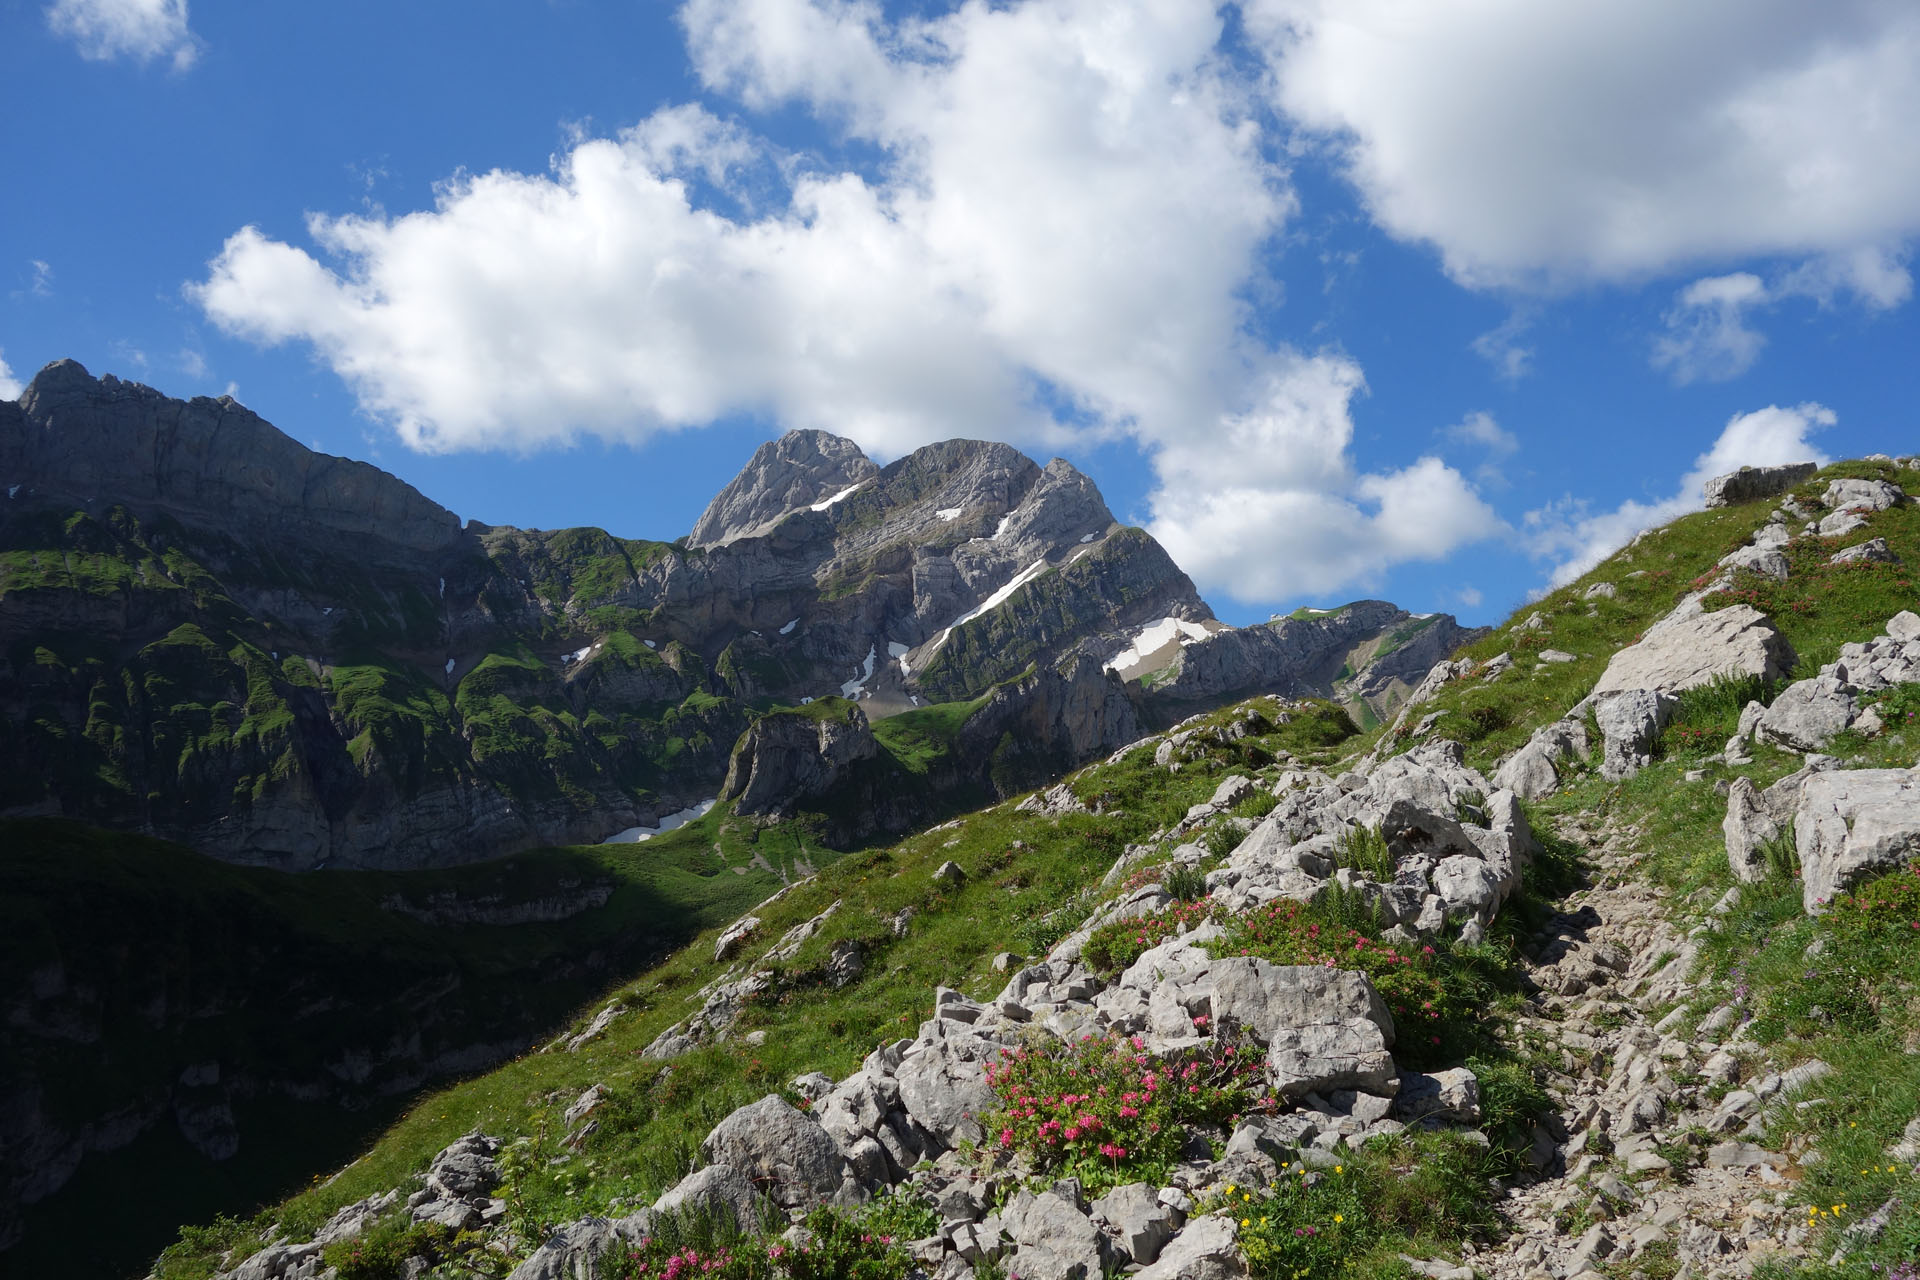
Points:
[(1856, 1003), (1029, 881), (1819, 610), (127, 915), (1030, 877)]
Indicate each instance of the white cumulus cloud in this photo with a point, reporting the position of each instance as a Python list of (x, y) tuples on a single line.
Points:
[(1073, 199), (1707, 338), (1576, 538), (139, 29), (1544, 144), (10, 387), (1273, 507)]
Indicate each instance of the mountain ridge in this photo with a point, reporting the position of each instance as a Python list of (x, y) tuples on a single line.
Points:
[(328, 669)]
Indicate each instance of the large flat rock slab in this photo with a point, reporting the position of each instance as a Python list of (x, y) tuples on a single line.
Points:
[(1685, 652)]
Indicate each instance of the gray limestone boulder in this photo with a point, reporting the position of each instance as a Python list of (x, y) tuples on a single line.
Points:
[(1765, 560), (458, 1183), (1324, 1028), (1854, 823), (780, 1149), (1862, 495), (1529, 772), (1140, 1223), (1872, 551), (1207, 1249), (351, 1221), (1630, 721), (575, 1251), (1684, 651), (280, 1262), (1747, 827), (1750, 483), (1534, 770), (1451, 1096), (1839, 524), (718, 1192), (943, 1080), (1055, 1240), (1807, 714), (1469, 888)]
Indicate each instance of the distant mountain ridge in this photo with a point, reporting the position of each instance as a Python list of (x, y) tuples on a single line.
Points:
[(211, 634)]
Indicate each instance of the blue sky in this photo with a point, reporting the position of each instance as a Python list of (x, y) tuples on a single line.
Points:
[(1435, 301)]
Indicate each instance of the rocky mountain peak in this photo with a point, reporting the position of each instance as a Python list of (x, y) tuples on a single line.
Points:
[(103, 439), (799, 470)]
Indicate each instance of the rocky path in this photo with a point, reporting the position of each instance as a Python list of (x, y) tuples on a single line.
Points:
[(1653, 1165)]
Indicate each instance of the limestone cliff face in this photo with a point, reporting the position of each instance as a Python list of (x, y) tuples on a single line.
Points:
[(784, 476), (103, 440), (792, 756), (212, 634)]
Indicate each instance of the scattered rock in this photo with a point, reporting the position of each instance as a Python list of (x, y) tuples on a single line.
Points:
[(1872, 551), (1862, 495), (1630, 723), (1851, 823)]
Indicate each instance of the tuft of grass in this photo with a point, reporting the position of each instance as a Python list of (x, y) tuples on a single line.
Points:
[(1364, 849)]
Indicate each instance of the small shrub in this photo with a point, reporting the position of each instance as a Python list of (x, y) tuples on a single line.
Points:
[(1365, 850), (1470, 808), (1782, 854), (1221, 839), (1118, 943), (1186, 884), (1708, 714), (1406, 1194), (1487, 720), (1434, 1002), (1510, 1101), (381, 1252), (1305, 1223), (1899, 706), (1881, 913), (1104, 1110)]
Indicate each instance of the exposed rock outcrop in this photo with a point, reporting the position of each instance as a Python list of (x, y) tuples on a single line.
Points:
[(790, 474), (1369, 651), (1750, 483), (105, 441), (791, 756), (1690, 648)]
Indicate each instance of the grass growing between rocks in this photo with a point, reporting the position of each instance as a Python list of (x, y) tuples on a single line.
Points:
[(1028, 880), (1416, 1194), (1842, 988), (1819, 608)]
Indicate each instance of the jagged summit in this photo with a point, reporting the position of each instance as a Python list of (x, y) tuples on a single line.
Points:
[(790, 474), (104, 440)]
